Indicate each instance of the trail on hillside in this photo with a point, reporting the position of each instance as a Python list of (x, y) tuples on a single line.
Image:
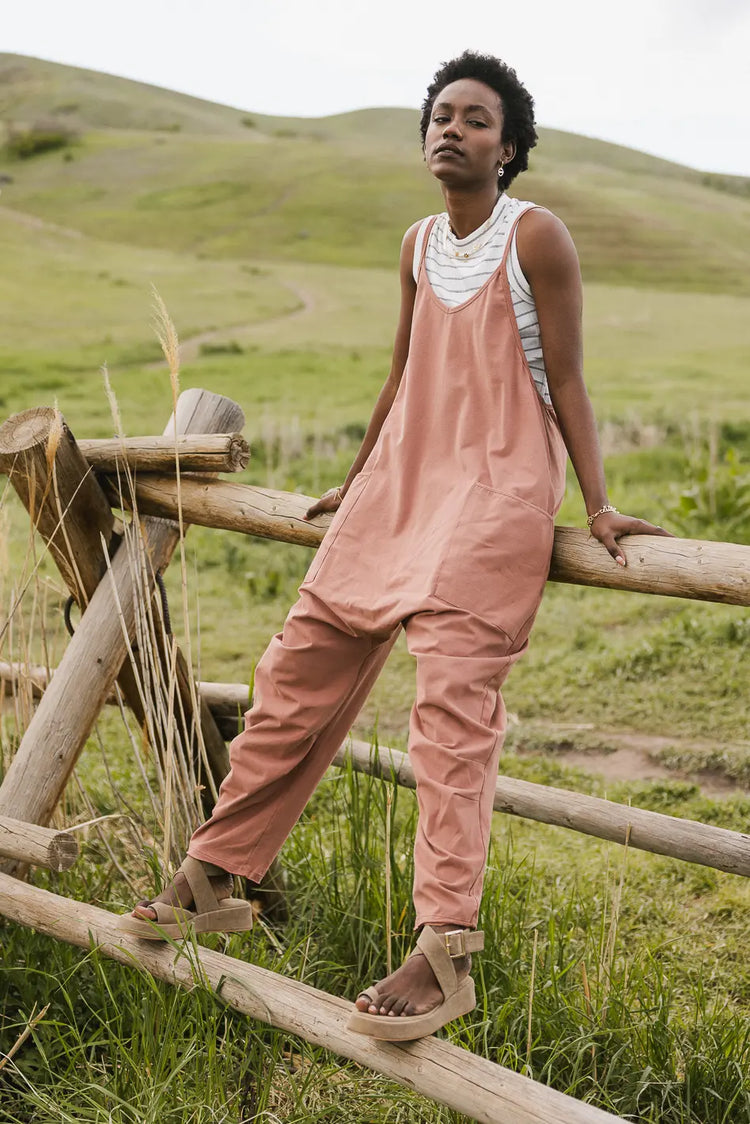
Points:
[(190, 347), (33, 222)]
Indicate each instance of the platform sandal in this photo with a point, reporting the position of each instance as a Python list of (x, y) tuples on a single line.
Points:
[(440, 949), (209, 914)]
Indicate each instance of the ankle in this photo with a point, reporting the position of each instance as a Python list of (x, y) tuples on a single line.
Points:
[(213, 871)]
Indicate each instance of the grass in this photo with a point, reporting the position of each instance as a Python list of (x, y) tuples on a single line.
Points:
[(623, 1013), (285, 293)]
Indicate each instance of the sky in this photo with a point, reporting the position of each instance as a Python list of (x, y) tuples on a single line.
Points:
[(668, 77)]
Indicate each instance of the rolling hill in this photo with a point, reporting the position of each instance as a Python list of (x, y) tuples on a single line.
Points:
[(157, 169)]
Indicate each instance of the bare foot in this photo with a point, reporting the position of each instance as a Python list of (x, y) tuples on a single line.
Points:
[(412, 989), (177, 892)]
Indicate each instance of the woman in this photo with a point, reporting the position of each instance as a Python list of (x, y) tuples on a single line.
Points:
[(444, 527)]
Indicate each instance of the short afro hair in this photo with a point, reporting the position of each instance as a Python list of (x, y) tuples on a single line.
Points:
[(517, 103)]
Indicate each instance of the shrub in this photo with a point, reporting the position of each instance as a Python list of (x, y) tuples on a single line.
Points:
[(713, 502), (220, 347), (41, 137)]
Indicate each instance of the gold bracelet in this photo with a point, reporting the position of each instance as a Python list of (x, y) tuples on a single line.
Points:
[(607, 507)]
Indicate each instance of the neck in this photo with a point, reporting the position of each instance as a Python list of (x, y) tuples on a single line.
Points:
[(468, 210)]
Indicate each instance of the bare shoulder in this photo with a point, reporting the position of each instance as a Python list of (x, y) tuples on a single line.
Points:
[(409, 241), (544, 244), (408, 244)]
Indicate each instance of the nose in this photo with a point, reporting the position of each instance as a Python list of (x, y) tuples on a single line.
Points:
[(451, 129)]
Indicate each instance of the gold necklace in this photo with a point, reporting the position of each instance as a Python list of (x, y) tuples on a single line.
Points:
[(450, 234)]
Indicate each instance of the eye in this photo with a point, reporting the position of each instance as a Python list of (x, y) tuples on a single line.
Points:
[(439, 117), (479, 124)]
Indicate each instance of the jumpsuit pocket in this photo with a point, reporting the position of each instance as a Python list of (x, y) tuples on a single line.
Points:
[(497, 561), (351, 498)]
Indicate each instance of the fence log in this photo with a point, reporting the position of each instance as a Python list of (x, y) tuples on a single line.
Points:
[(659, 834), (690, 840), (703, 571), (204, 452), (447, 1074), (40, 846), (693, 568), (53, 479), (68, 709), (229, 506)]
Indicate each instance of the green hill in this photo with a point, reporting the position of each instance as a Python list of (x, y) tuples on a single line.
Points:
[(153, 168)]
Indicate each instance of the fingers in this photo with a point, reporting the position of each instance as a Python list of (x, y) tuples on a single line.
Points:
[(624, 525), (329, 501), (613, 547), (646, 528)]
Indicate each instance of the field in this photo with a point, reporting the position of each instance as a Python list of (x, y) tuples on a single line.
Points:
[(273, 244)]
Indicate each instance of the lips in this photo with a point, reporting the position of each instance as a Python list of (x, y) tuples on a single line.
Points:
[(452, 149)]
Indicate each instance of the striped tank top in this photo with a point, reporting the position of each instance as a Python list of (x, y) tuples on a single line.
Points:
[(458, 267)]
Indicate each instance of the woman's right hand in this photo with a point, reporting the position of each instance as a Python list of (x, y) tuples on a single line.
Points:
[(328, 502)]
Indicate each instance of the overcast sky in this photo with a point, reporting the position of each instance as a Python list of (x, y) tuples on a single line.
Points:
[(669, 77)]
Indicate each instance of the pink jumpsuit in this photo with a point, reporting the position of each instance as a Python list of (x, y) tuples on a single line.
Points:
[(447, 532)]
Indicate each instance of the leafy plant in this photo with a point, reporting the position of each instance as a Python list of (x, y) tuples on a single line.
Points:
[(714, 500)]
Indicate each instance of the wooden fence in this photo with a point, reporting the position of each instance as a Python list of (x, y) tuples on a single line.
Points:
[(69, 489)]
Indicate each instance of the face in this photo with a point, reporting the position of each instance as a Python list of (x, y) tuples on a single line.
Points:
[(464, 145)]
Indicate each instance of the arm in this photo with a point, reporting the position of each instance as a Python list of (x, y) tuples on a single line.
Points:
[(330, 500), (549, 260)]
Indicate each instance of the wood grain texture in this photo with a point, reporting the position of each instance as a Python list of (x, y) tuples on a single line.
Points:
[(58, 489), (39, 846), (690, 568), (39, 771), (204, 452), (485, 1092)]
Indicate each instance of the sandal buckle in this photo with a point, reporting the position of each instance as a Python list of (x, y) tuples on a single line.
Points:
[(455, 942)]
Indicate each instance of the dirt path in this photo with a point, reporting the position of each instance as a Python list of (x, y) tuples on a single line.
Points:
[(33, 222), (625, 755), (190, 347)]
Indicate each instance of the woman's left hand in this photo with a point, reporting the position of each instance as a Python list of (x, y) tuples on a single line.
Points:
[(329, 501), (610, 525)]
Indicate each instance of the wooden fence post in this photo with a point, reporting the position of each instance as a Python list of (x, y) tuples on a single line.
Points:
[(58, 730)]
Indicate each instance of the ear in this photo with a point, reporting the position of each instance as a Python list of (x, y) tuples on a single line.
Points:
[(507, 151)]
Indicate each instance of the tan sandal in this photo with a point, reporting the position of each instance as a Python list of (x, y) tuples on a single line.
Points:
[(440, 949), (210, 915)]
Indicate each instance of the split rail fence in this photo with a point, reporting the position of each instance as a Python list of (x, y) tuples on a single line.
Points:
[(69, 489)]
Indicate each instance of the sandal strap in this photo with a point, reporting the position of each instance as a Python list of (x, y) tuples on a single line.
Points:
[(169, 914), (460, 941), (436, 948), (204, 898)]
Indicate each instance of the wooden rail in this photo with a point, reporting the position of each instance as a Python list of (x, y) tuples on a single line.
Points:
[(451, 1076), (691, 568), (655, 832), (199, 452)]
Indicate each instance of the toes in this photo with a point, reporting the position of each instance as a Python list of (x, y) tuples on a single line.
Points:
[(144, 912)]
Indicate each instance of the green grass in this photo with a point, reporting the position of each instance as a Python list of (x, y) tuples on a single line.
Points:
[(639, 1008)]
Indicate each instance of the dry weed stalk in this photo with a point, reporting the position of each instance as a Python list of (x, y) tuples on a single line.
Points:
[(388, 874), (34, 1018), (532, 985), (609, 952)]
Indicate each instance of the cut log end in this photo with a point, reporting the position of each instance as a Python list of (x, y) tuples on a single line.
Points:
[(63, 852)]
